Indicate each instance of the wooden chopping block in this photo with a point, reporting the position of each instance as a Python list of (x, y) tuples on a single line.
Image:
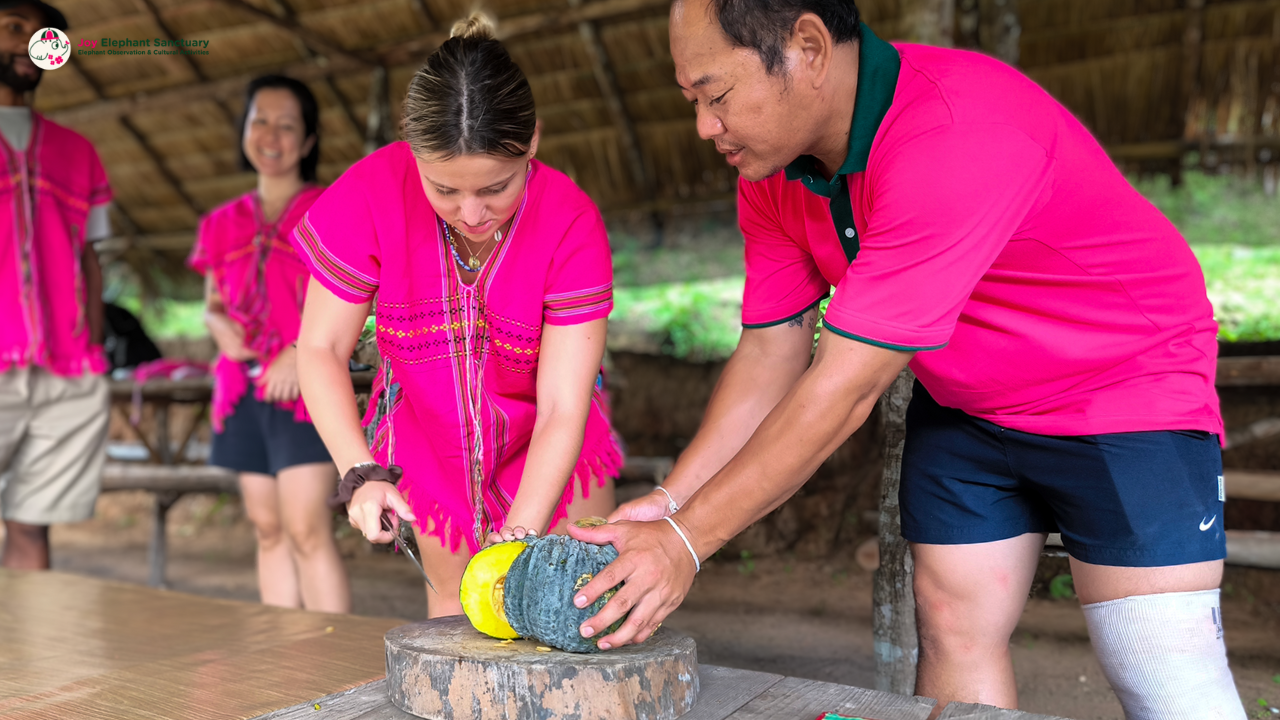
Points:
[(444, 669)]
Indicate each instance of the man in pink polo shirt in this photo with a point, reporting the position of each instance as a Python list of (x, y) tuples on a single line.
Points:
[(1057, 322), (53, 397)]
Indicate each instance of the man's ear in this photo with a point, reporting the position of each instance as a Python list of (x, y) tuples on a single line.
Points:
[(811, 48)]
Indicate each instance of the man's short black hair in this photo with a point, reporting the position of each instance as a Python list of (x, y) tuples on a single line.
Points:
[(765, 25)]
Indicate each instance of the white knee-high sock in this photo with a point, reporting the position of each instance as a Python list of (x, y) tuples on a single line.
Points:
[(1164, 656)]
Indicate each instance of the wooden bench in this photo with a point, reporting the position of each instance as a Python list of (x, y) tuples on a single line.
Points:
[(167, 483)]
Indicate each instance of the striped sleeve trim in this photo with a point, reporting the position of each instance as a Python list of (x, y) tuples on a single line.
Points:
[(591, 301), (329, 269)]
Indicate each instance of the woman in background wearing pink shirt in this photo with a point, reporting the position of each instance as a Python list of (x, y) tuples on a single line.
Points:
[(255, 286), (493, 280)]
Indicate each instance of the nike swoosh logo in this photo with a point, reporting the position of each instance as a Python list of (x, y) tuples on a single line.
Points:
[(1206, 525)]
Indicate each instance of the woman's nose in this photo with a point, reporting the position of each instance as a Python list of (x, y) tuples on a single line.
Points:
[(473, 211)]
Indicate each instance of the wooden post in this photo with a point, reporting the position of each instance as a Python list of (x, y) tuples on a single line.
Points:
[(1000, 30), (378, 130), (931, 22), (893, 616)]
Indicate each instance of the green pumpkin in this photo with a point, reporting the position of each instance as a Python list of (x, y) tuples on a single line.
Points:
[(539, 586)]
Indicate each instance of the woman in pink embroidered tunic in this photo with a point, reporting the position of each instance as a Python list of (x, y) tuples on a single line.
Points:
[(493, 280), (255, 286)]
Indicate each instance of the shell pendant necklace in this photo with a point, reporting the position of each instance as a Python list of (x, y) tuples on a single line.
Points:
[(472, 264)]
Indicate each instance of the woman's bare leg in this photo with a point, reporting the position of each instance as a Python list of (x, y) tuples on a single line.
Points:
[(308, 521), (277, 575)]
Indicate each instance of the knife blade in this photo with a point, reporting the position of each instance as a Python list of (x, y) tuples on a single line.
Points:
[(404, 547)]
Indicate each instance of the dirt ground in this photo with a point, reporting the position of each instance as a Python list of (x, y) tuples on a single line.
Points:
[(809, 619)]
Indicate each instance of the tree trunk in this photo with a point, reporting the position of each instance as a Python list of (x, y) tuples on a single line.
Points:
[(893, 618)]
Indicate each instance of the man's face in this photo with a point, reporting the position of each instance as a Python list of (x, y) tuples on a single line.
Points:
[(17, 25), (753, 117)]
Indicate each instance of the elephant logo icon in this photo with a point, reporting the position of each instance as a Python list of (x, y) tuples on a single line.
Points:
[(49, 49)]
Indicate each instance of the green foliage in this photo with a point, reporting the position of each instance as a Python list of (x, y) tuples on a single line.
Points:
[(1244, 286), (748, 564), (165, 318), (1062, 587), (700, 321), (1216, 209)]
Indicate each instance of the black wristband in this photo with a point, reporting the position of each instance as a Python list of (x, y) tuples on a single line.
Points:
[(358, 476)]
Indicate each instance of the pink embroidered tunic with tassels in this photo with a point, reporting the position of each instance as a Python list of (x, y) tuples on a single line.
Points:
[(460, 361), (263, 284), (45, 196)]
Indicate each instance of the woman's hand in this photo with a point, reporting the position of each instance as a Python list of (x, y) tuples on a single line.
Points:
[(508, 533), (281, 378), (370, 502), (646, 508)]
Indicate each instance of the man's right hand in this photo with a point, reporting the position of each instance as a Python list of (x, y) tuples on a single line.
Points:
[(370, 502), (647, 508)]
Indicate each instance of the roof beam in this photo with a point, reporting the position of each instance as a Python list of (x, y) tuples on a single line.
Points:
[(345, 63), (286, 13), (291, 25), (608, 83), (149, 7), (158, 161), (424, 12)]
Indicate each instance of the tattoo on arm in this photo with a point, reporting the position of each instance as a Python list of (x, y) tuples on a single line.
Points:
[(797, 321)]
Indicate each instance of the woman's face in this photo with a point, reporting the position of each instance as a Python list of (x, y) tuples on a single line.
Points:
[(477, 194), (275, 138)]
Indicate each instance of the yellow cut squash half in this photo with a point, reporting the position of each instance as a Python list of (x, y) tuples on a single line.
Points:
[(483, 584)]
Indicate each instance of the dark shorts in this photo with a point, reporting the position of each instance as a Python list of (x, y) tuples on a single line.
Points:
[(261, 438), (1138, 499)]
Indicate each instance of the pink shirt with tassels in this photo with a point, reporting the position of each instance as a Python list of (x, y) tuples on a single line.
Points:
[(45, 196), (263, 284), (460, 362)]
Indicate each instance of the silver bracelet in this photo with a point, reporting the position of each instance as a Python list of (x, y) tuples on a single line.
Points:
[(697, 564), (672, 507)]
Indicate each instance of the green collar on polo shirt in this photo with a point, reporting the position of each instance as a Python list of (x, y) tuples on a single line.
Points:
[(878, 66)]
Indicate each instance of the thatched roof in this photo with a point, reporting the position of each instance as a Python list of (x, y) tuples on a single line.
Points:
[(603, 79)]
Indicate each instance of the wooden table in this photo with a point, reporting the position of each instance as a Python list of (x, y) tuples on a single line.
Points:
[(725, 694), (78, 647)]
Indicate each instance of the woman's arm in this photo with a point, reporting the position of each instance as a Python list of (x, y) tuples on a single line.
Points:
[(227, 334), (330, 329), (568, 364)]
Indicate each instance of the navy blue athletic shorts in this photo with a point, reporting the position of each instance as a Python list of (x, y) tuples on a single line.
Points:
[(1136, 499), (261, 438)]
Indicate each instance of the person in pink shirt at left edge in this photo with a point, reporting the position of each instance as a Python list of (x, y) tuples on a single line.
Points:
[(255, 286), (53, 396)]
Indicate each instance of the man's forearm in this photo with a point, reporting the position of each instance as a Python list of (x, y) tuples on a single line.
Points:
[(823, 409), (754, 380)]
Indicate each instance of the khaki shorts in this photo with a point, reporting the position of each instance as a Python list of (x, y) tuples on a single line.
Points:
[(53, 439)]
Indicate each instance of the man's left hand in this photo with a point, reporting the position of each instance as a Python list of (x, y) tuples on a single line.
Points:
[(657, 569)]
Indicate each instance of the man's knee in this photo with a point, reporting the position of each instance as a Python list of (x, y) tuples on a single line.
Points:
[(27, 535), (1164, 656)]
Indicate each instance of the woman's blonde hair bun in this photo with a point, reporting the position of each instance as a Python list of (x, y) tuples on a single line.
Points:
[(477, 25)]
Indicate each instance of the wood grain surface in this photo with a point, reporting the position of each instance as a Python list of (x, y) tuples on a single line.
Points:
[(797, 699), (77, 647), (444, 669)]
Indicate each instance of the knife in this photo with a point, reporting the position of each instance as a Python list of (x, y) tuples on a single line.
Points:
[(404, 547)]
